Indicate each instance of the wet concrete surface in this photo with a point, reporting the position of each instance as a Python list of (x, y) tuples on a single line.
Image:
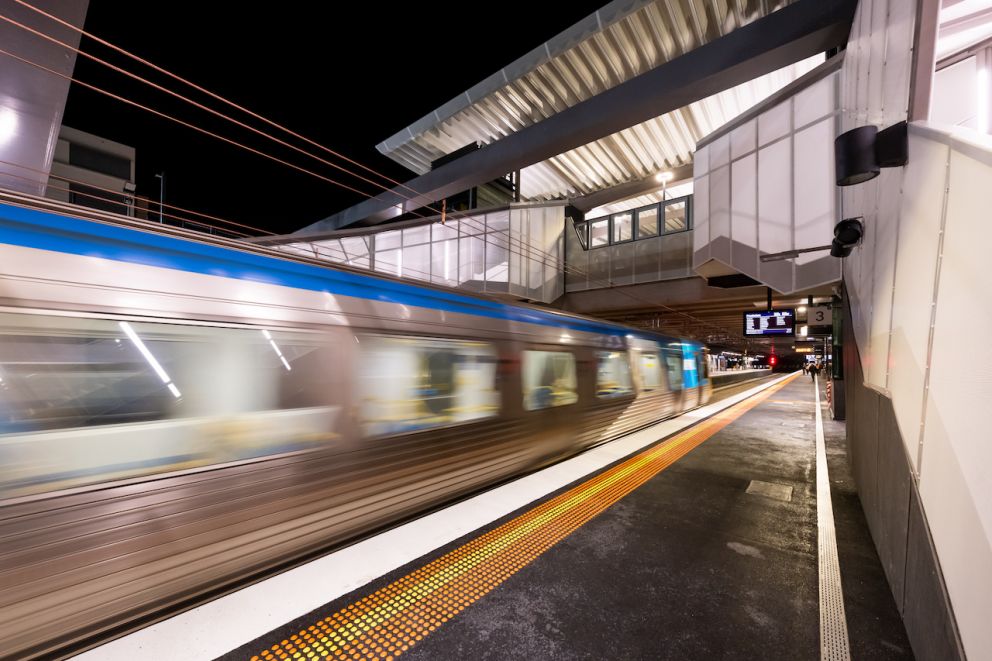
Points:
[(690, 566)]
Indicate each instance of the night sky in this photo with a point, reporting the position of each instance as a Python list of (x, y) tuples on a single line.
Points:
[(347, 80)]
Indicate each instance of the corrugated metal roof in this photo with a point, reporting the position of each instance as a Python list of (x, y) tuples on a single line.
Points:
[(622, 40), (671, 192)]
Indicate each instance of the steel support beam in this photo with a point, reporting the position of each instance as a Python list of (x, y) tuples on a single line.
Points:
[(628, 190), (791, 34)]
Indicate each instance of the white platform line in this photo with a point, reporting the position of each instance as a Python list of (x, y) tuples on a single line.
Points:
[(834, 644), (226, 623)]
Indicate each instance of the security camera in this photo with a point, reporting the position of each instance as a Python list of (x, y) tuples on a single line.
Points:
[(847, 234)]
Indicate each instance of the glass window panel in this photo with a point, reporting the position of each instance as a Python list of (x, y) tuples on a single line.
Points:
[(388, 240), (329, 250), (389, 261), (650, 368), (497, 257), (409, 384), (549, 379), (675, 220), (473, 226), (416, 262), (647, 222), (447, 231), (599, 232), (416, 235), (623, 227), (444, 262), (164, 397), (497, 221), (357, 251), (471, 256), (581, 230), (613, 375), (674, 364)]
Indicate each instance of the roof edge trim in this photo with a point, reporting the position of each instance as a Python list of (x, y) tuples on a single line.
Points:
[(596, 22)]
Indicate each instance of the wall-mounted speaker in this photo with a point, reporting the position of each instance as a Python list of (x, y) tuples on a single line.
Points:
[(861, 152)]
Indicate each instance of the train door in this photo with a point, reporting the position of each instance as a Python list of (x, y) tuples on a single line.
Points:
[(549, 379), (690, 376), (673, 369), (703, 365)]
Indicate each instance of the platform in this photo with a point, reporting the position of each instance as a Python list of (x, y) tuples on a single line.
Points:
[(702, 544)]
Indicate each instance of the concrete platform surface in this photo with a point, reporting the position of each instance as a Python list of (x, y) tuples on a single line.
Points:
[(711, 553)]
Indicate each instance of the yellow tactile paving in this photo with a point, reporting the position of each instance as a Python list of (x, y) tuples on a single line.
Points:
[(392, 619)]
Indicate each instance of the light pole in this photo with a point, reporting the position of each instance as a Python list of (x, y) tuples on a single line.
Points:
[(161, 194)]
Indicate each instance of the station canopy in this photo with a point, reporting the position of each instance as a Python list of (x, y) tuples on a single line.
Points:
[(617, 43), (593, 115)]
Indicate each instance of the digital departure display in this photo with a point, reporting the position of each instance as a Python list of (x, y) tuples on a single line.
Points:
[(770, 322)]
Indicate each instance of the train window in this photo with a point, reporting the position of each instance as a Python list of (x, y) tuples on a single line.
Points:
[(613, 375), (549, 379), (674, 363), (408, 384), (650, 371), (82, 399)]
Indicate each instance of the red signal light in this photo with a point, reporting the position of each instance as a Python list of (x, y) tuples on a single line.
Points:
[(772, 360)]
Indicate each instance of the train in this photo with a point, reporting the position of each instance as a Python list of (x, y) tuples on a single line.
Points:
[(181, 414)]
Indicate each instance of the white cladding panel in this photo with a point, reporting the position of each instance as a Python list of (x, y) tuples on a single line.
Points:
[(815, 192), (775, 123), (780, 190), (720, 203), (884, 232), (814, 102), (775, 196), (919, 232), (891, 284), (954, 102), (701, 213), (742, 139), (719, 152), (744, 201), (956, 467)]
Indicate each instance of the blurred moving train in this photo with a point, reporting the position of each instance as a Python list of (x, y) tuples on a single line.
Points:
[(180, 414)]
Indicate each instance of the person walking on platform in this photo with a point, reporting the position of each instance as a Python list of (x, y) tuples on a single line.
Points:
[(814, 369), (805, 367)]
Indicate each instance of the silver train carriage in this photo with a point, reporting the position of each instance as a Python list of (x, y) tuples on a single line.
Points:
[(181, 414)]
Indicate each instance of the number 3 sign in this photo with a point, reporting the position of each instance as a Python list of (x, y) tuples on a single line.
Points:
[(821, 315)]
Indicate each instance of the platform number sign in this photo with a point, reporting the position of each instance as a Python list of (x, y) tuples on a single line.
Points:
[(820, 315)]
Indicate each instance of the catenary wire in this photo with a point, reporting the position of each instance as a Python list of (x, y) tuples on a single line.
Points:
[(456, 214), (533, 250)]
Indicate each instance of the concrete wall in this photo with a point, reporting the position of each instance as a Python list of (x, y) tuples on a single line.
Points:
[(918, 288)]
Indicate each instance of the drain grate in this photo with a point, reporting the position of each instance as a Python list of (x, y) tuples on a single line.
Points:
[(781, 492)]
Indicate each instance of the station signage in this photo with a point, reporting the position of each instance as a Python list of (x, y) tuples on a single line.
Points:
[(820, 315), (780, 323)]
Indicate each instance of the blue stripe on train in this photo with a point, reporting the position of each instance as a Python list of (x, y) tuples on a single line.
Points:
[(49, 231)]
